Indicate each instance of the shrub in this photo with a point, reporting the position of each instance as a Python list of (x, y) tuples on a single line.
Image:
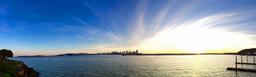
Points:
[(5, 53)]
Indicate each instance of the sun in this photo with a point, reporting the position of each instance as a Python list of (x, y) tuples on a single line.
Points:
[(198, 40), (196, 37)]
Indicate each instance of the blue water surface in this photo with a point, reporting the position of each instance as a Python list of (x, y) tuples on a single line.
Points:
[(136, 66)]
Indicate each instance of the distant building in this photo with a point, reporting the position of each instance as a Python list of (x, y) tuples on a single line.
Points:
[(136, 51), (129, 52)]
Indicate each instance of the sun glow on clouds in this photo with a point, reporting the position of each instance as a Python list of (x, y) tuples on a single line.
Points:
[(198, 36), (208, 34), (175, 31)]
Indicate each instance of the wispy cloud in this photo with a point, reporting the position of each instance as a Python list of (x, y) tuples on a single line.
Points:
[(142, 33), (99, 26)]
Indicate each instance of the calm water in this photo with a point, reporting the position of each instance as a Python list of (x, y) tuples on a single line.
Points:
[(135, 66)]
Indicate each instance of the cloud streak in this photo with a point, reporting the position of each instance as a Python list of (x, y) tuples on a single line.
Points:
[(144, 36)]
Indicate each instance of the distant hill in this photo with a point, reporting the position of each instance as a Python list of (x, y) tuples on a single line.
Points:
[(67, 54)]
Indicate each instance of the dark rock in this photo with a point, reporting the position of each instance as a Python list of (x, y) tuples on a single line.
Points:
[(25, 71)]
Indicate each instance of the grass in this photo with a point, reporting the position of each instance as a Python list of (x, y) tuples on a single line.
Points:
[(8, 67)]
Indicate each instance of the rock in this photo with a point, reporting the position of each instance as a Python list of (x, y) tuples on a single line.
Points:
[(25, 71)]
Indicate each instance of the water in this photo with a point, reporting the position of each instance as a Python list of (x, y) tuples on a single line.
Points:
[(135, 66)]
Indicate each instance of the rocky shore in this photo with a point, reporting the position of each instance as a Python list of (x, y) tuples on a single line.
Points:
[(11, 68)]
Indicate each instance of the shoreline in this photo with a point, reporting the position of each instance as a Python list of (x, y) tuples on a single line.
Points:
[(159, 54)]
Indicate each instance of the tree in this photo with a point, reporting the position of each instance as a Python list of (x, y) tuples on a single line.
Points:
[(5, 53), (251, 51)]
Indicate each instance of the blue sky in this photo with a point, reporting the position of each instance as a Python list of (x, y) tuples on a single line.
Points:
[(59, 26)]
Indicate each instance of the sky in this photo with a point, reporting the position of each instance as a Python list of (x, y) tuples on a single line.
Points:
[(46, 27)]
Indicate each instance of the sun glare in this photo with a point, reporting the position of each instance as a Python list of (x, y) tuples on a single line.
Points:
[(196, 38)]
